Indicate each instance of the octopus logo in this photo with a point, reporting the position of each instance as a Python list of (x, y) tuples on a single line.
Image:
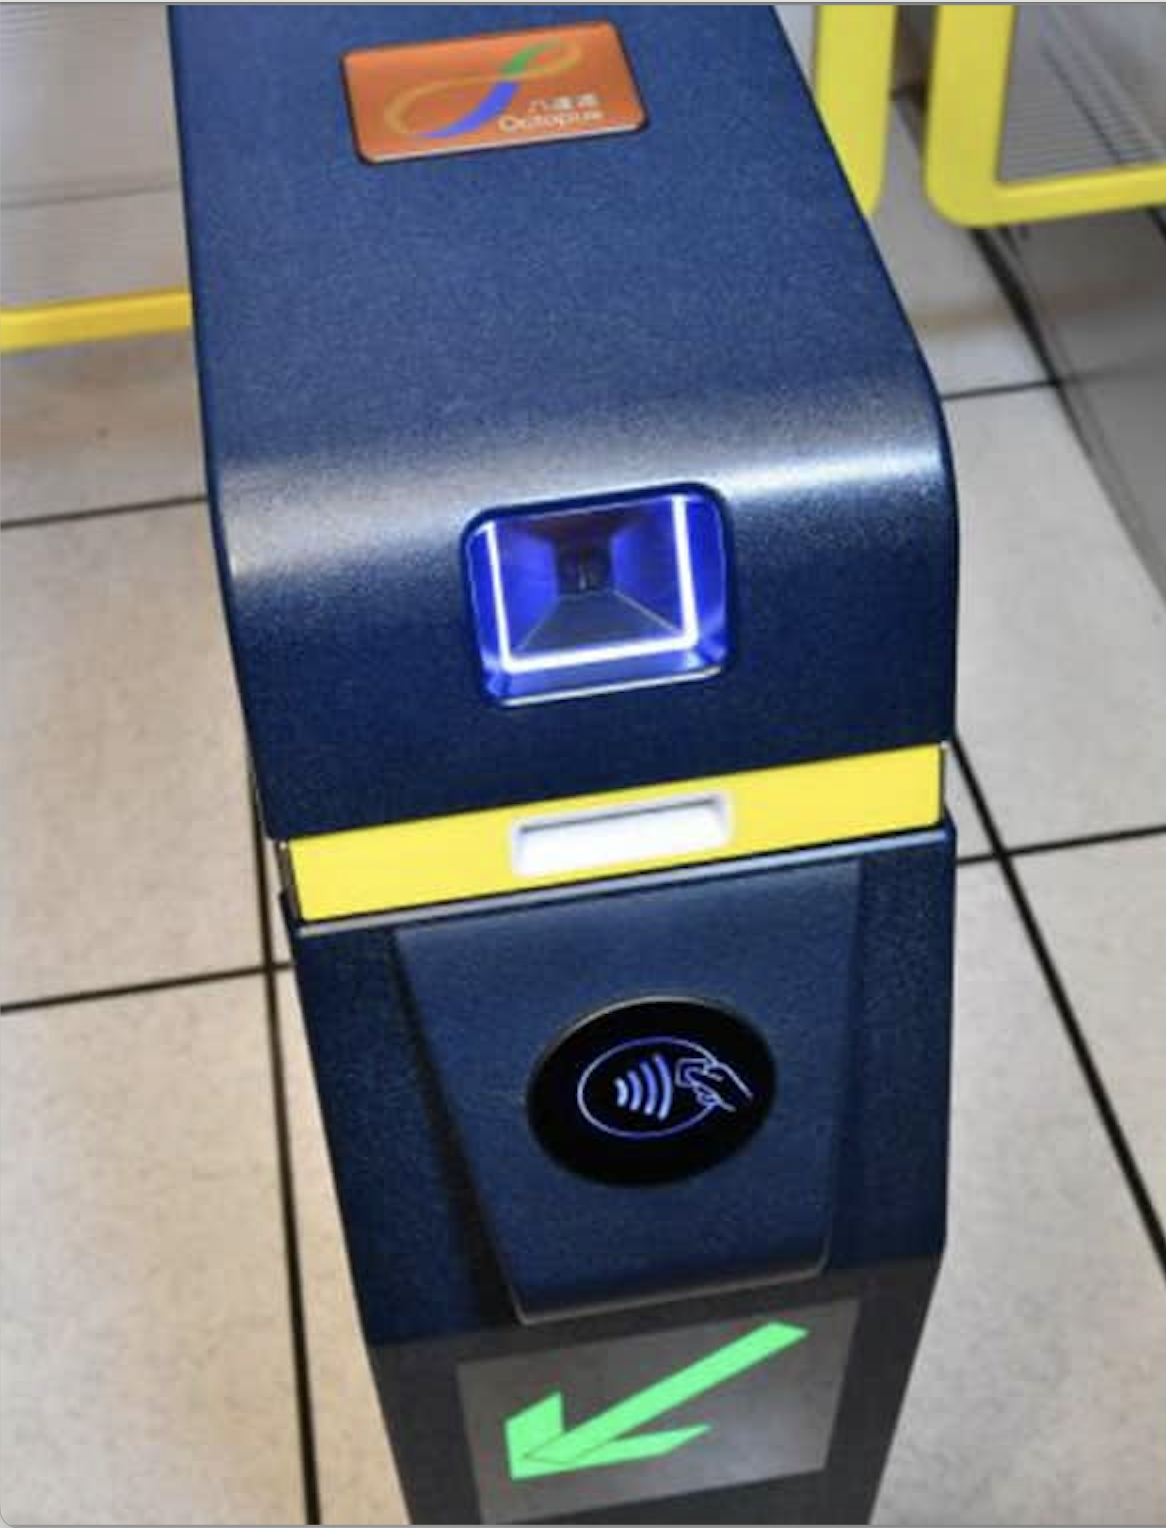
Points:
[(539, 61), (422, 100)]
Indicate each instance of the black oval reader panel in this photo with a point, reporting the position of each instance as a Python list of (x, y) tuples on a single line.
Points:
[(651, 1090)]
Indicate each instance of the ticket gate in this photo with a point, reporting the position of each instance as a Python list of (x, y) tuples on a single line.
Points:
[(587, 537)]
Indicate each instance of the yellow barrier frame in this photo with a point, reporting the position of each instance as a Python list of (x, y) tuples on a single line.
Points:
[(46, 326), (854, 56), (966, 105)]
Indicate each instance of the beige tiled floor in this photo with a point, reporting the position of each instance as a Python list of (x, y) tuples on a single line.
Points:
[(1063, 633), (148, 1366), (1104, 910), (109, 425), (126, 822), (1040, 1388)]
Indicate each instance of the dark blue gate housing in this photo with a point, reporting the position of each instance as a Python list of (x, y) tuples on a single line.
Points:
[(501, 446)]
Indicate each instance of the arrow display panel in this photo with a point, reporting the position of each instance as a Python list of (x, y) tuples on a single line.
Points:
[(723, 1403)]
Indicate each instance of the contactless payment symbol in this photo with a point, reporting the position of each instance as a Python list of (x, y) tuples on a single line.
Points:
[(497, 91), (651, 1090), (658, 1086)]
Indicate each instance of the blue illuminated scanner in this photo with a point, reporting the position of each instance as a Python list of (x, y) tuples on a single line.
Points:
[(599, 597)]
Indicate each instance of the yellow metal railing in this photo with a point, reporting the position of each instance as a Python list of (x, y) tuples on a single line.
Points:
[(853, 61), (967, 100), (854, 47), (43, 326)]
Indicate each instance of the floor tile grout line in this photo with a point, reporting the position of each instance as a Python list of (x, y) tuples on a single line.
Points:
[(1070, 1023), (301, 1362), (1099, 840), (100, 512), (999, 390), (130, 989), (1088, 841), (1010, 286)]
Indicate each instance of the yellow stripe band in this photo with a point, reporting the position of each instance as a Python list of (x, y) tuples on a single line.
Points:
[(482, 854)]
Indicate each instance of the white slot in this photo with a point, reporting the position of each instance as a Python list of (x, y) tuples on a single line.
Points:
[(621, 836)]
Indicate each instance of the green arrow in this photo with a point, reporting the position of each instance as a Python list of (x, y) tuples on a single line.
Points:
[(538, 1441)]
